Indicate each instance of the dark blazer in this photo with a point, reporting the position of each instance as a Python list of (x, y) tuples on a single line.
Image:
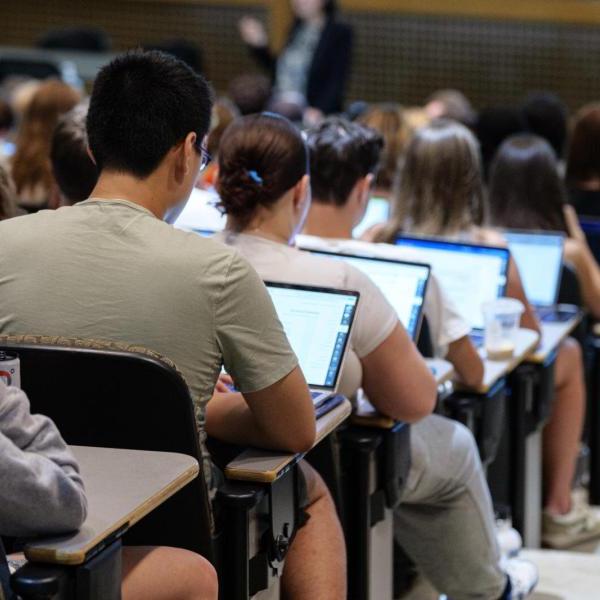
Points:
[(329, 69)]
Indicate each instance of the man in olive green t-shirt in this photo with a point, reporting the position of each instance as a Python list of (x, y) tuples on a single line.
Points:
[(109, 268)]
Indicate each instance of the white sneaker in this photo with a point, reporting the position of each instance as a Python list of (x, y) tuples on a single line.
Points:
[(509, 539), (523, 576), (579, 525)]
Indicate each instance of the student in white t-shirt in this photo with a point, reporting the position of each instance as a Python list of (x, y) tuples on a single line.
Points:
[(343, 160), (446, 510)]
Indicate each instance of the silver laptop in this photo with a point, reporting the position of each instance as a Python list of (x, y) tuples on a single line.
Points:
[(470, 274), (403, 284), (201, 214), (318, 323), (539, 257), (378, 211)]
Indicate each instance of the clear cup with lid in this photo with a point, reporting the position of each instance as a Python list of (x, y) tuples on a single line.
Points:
[(502, 317)]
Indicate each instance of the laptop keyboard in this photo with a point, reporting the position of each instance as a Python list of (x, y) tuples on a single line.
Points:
[(555, 315)]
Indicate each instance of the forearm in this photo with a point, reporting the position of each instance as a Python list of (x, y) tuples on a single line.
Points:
[(229, 419)]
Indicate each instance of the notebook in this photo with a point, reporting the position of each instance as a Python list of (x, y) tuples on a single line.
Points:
[(403, 284), (318, 323), (470, 274)]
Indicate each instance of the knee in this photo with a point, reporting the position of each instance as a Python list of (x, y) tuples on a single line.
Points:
[(201, 577), (463, 446), (316, 488), (569, 353)]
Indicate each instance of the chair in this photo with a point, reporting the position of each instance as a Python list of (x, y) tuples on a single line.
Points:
[(118, 396)]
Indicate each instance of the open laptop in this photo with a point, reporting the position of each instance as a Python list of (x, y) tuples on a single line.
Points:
[(201, 214), (539, 257), (470, 274), (378, 211), (318, 322), (403, 284)]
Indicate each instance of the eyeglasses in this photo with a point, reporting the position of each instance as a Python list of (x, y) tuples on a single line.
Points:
[(205, 156)]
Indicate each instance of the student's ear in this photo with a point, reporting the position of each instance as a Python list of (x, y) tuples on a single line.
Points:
[(302, 195), (184, 155), (366, 184)]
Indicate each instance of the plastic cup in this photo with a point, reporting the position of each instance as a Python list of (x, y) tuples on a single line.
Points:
[(502, 319)]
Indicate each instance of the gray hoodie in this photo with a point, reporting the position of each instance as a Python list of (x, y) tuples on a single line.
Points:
[(41, 491)]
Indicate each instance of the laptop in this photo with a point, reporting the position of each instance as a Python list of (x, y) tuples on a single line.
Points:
[(378, 211), (403, 284), (539, 257), (318, 322), (201, 215), (470, 274)]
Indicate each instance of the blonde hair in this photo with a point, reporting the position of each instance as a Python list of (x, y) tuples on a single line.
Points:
[(441, 189), (389, 121)]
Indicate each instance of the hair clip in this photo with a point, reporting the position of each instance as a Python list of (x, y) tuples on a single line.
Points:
[(255, 176)]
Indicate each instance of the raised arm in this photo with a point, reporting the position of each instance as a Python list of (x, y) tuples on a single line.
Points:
[(41, 490), (578, 253)]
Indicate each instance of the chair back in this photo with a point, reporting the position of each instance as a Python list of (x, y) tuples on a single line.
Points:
[(111, 395)]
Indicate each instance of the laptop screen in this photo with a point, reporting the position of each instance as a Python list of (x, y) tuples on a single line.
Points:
[(378, 211), (402, 283), (469, 274), (201, 214), (539, 259), (317, 322)]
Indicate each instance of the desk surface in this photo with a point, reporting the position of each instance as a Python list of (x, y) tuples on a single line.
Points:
[(525, 342), (552, 335), (122, 487), (366, 414), (265, 466)]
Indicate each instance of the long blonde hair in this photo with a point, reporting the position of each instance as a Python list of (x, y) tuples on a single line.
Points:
[(441, 188)]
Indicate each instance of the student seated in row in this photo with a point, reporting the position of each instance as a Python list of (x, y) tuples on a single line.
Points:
[(42, 493), (111, 269), (441, 194), (527, 192), (446, 509), (344, 158)]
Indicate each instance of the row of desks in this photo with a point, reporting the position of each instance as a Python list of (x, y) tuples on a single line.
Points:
[(146, 479)]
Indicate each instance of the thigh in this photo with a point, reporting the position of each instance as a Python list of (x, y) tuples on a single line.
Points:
[(444, 457)]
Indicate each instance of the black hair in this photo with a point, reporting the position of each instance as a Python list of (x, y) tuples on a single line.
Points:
[(546, 115), (341, 153), (526, 190), (73, 169), (493, 126), (261, 157), (143, 104)]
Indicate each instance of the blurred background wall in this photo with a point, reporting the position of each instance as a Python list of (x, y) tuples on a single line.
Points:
[(493, 50)]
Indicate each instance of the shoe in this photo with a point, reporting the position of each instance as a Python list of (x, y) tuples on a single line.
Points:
[(579, 525), (509, 539), (523, 576)]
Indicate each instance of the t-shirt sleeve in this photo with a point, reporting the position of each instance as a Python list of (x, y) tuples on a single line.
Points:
[(375, 318), (445, 323), (255, 349)]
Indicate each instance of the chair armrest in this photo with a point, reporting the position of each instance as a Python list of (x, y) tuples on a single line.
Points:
[(41, 582)]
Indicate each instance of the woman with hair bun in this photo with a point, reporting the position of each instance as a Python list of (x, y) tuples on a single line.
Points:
[(264, 188)]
